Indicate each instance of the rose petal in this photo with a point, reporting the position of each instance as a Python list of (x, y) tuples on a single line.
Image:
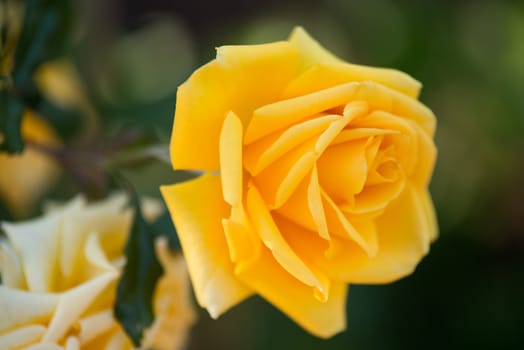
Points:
[(36, 243), (379, 97), (231, 159), (11, 267), (118, 341), (241, 79), (427, 207), (44, 346), (385, 169), (72, 237), (74, 303), (111, 220), (340, 225), (295, 299), (279, 180), (375, 198), (305, 207), (327, 74), (342, 170), (405, 142), (243, 243), (311, 51), (72, 343), (385, 99), (347, 135), (107, 219), (96, 256), (20, 337), (173, 316), (197, 209), (281, 114), (94, 325), (403, 238), (273, 240), (21, 308), (426, 157), (314, 196), (258, 155), (327, 70)]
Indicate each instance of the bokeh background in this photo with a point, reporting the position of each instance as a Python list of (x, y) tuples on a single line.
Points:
[(469, 291)]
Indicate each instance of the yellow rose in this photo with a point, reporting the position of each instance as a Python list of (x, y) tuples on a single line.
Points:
[(25, 177), (316, 177), (59, 276)]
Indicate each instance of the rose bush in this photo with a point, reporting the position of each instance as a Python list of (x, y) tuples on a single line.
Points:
[(316, 176), (59, 277)]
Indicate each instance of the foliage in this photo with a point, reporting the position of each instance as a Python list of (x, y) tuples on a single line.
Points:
[(44, 35), (133, 307)]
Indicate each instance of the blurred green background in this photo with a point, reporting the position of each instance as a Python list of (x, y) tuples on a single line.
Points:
[(469, 291)]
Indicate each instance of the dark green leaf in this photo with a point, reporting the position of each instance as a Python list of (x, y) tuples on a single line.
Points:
[(133, 307), (11, 110), (45, 33), (44, 36), (4, 214), (67, 122), (4, 23), (164, 226)]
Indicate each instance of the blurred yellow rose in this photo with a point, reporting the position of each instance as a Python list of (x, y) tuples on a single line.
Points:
[(316, 176), (61, 83), (59, 276), (25, 177)]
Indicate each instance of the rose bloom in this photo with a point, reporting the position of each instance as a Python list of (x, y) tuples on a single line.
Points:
[(59, 277), (316, 176)]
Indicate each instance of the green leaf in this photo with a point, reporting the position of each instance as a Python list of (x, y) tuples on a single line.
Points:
[(4, 215), (67, 122), (44, 36), (11, 110), (133, 307), (164, 225), (3, 26), (8, 35)]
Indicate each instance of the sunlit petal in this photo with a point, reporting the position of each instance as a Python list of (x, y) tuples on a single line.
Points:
[(295, 299), (36, 243), (241, 79), (231, 159)]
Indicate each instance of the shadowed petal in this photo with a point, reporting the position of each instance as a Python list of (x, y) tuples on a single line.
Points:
[(74, 303), (295, 299), (197, 209), (21, 337), (404, 234)]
